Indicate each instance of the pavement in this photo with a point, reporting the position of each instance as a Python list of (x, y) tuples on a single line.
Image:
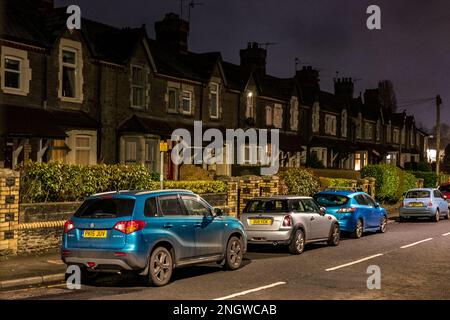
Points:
[(412, 258)]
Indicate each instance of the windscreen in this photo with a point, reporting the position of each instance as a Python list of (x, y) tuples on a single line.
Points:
[(331, 200), (106, 208)]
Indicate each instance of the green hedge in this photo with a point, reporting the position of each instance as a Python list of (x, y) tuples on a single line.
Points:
[(334, 182), (387, 187), (57, 182), (430, 179), (300, 181)]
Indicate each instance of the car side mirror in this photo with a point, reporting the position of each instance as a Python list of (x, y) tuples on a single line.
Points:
[(323, 211), (218, 212), (377, 205)]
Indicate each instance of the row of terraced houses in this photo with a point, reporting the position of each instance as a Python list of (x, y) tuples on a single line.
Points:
[(103, 94)]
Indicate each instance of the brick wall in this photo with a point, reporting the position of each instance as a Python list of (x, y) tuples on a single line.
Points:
[(9, 211)]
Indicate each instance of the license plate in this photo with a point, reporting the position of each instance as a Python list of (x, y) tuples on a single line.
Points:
[(95, 234), (415, 204), (261, 221)]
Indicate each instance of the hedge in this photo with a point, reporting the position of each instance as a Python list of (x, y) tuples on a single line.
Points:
[(387, 186), (430, 179), (57, 182), (334, 182), (300, 181)]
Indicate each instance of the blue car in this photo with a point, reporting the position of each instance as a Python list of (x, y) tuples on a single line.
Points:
[(150, 233), (356, 212)]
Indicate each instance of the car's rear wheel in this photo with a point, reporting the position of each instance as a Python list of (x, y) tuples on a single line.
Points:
[(383, 225), (358, 230), (297, 244), (335, 236), (234, 254), (437, 216), (160, 267)]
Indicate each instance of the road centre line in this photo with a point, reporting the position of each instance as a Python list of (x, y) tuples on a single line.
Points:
[(251, 290), (354, 262), (446, 234), (415, 243)]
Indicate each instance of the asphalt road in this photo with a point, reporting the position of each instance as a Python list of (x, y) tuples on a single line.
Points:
[(413, 257)]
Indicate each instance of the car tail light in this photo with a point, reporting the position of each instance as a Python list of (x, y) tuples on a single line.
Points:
[(66, 252), (69, 225), (347, 210), (402, 204), (430, 204), (287, 221), (129, 226)]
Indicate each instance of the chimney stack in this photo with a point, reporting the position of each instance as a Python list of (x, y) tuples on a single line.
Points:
[(308, 77), (254, 58), (173, 32), (344, 87)]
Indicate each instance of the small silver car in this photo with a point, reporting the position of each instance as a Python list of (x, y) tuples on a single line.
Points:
[(289, 220), (425, 202)]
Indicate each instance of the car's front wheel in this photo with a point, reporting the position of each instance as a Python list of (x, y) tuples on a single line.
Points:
[(437, 216), (234, 254), (383, 225), (335, 236), (358, 230), (160, 267), (297, 244)]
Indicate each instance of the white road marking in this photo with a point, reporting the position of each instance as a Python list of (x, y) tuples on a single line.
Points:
[(251, 291), (413, 244), (354, 262), (446, 234)]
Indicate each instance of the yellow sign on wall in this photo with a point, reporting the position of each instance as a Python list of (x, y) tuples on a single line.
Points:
[(163, 146)]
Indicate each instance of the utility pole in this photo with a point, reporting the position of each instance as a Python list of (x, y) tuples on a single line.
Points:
[(438, 133)]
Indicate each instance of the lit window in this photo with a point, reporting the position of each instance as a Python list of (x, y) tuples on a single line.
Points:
[(214, 106), (344, 124), (70, 71), (187, 102), (12, 72), (278, 116), (249, 111), (173, 100), (330, 124), (294, 114), (130, 151), (82, 150), (138, 84), (269, 120)]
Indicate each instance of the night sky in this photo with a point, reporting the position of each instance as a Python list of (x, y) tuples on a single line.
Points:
[(412, 49)]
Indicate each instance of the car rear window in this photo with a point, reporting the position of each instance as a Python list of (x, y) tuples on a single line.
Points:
[(331, 200), (418, 194), (106, 208), (266, 206)]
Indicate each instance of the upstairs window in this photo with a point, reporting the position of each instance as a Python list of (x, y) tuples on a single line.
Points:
[(396, 136), (69, 67), (250, 107), (70, 72), (368, 131), (316, 118), (294, 114), (214, 103), (269, 116), (344, 124), (15, 71), (173, 103), (138, 84), (187, 102), (330, 124), (278, 116)]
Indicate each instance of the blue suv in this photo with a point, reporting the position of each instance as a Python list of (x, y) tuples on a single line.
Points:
[(356, 212), (150, 233)]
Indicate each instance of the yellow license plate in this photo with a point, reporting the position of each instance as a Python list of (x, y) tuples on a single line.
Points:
[(95, 234), (416, 204), (261, 221)]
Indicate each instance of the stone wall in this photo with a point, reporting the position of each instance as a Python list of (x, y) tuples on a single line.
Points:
[(9, 211)]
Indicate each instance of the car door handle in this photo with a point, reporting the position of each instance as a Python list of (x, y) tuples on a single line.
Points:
[(312, 218), (168, 225)]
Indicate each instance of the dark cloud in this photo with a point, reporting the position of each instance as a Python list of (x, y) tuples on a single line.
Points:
[(412, 49)]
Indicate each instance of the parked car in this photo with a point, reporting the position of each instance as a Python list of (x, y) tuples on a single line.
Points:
[(288, 220), (445, 190), (425, 202), (356, 212), (150, 233)]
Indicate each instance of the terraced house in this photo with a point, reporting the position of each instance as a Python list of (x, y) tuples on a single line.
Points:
[(103, 94)]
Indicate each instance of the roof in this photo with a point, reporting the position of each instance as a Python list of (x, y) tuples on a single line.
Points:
[(74, 119), (237, 77), (329, 102), (28, 121), (147, 125), (137, 193), (279, 88)]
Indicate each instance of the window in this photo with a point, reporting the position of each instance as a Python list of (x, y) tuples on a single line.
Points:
[(151, 208), (69, 66), (278, 116), (411, 139), (361, 200), (330, 124), (316, 118), (214, 104), (344, 124), (388, 133), (173, 100), (70, 73), (379, 128), (310, 205), (331, 200), (369, 200), (294, 114), (82, 150), (195, 207), (269, 116), (138, 85), (396, 136), (130, 151), (106, 208), (359, 126), (250, 107), (187, 102), (266, 206), (151, 146), (321, 154), (15, 71), (437, 194), (391, 158), (403, 136), (360, 160), (368, 131), (417, 194), (170, 206)]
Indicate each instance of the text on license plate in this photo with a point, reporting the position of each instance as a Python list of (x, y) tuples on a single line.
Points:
[(261, 221), (95, 233), (415, 204)]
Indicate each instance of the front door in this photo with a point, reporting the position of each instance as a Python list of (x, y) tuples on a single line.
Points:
[(207, 228)]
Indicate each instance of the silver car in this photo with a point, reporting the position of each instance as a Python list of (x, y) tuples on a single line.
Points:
[(425, 202), (289, 220)]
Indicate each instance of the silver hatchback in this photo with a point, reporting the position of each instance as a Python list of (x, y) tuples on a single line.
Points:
[(288, 220)]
